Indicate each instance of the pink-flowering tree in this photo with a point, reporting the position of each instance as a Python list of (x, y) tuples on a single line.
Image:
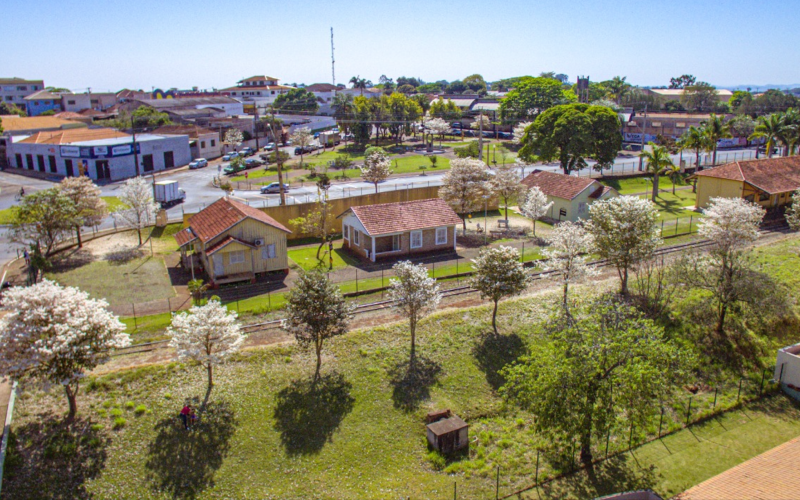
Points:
[(535, 205), (208, 334), (377, 167), (565, 258), (415, 294), (51, 335), (498, 274)]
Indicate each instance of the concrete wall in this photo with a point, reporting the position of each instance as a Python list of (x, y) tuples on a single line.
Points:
[(710, 187), (789, 359), (39, 106)]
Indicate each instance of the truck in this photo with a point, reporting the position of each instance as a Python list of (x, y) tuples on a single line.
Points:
[(167, 193), (329, 138)]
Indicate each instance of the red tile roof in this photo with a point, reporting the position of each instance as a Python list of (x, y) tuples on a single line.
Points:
[(68, 136), (558, 185), (193, 131), (773, 175), (405, 216), (185, 236), (769, 476), (600, 191), (223, 214), (225, 242)]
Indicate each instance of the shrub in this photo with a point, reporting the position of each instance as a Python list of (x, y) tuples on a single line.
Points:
[(140, 409), (116, 412), (119, 423), (130, 405), (108, 404), (436, 459), (97, 427), (469, 151)]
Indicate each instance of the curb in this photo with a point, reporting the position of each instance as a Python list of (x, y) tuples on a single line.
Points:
[(7, 430)]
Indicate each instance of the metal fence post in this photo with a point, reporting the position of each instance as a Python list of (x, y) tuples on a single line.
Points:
[(497, 485), (455, 490), (356, 280), (761, 389), (237, 305), (660, 421), (269, 299), (690, 224), (433, 269), (458, 278), (715, 398), (740, 390), (522, 257), (536, 481), (135, 324), (689, 410)]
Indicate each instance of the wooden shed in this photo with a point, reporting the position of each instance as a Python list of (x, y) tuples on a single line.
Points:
[(448, 433)]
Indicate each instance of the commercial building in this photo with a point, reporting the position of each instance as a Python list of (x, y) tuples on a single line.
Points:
[(41, 101), (102, 154), (228, 105), (723, 95), (257, 91), (27, 125), (15, 90), (669, 125), (203, 143)]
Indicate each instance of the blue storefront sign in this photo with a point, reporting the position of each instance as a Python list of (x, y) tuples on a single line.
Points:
[(99, 151)]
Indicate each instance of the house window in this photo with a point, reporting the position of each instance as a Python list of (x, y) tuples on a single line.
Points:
[(763, 197), (71, 102), (236, 257), (268, 252), (416, 239), (356, 232), (396, 243), (213, 143), (346, 232), (441, 235), (202, 144)]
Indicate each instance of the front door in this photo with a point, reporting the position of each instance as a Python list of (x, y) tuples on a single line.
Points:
[(219, 269)]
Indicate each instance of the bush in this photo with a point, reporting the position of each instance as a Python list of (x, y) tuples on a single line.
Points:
[(97, 427), (119, 423), (130, 405), (436, 459), (140, 409), (116, 412), (469, 151)]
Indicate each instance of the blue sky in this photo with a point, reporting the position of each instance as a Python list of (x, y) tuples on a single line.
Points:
[(108, 45)]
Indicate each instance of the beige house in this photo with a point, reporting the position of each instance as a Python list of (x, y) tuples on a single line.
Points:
[(769, 182), (398, 229), (234, 242), (203, 143), (571, 195)]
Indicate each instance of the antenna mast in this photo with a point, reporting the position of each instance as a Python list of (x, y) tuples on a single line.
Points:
[(333, 61)]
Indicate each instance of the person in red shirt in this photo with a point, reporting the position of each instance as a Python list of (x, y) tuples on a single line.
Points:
[(185, 412)]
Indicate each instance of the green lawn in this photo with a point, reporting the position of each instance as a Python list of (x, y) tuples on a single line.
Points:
[(113, 203), (139, 280), (7, 215), (306, 257)]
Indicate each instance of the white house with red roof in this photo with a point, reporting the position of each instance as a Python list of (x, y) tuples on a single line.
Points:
[(571, 195), (398, 229), (233, 242)]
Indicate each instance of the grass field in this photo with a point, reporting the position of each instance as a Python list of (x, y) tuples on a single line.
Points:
[(306, 257), (7, 215), (113, 203)]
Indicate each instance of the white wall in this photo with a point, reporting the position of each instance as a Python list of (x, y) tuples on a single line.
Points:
[(230, 108), (789, 357)]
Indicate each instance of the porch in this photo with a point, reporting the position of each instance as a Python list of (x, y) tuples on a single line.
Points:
[(235, 277)]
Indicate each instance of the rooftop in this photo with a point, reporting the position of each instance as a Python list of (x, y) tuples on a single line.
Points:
[(70, 136), (193, 131), (558, 185), (32, 123), (405, 216), (220, 216), (43, 94), (322, 87), (187, 102), (258, 78), (772, 175), (14, 80), (447, 425), (679, 92), (769, 476)]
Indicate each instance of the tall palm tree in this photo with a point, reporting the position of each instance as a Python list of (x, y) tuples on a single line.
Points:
[(694, 139), (716, 129), (675, 175), (791, 129), (618, 87), (658, 161), (343, 110), (360, 83), (769, 128)]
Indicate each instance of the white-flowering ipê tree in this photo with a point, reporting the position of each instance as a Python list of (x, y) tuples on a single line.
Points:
[(233, 137), (724, 271), (207, 334), (535, 205), (51, 335), (565, 258), (377, 166), (415, 294), (302, 138), (506, 185), (519, 131), (437, 126), (498, 274), (316, 311), (90, 207), (624, 232), (464, 186), (139, 210), (793, 212)]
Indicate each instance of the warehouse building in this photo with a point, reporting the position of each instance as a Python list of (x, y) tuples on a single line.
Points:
[(103, 154)]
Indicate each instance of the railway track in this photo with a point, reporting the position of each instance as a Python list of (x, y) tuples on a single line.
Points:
[(450, 292)]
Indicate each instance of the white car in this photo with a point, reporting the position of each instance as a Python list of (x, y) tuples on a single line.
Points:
[(198, 163), (230, 156)]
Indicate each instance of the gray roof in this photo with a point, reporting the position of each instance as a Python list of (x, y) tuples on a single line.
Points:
[(486, 106), (186, 102), (447, 425)]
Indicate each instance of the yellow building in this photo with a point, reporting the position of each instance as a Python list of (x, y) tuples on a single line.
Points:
[(234, 242), (769, 182)]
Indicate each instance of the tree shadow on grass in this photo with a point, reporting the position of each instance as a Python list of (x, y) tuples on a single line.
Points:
[(53, 460), (614, 475), (182, 463), (72, 259), (493, 352), (412, 380), (307, 413)]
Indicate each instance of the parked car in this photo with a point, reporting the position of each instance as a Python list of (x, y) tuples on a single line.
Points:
[(269, 147), (456, 125), (287, 143), (247, 151), (230, 156), (273, 187), (763, 150), (468, 133), (198, 163), (505, 135), (316, 135), (252, 163), (231, 169)]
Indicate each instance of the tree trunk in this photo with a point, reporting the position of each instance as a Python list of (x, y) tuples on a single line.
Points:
[(78, 234), (464, 222), (623, 289), (139, 230), (413, 325), (506, 209), (73, 405), (566, 294), (714, 160), (588, 424), (720, 328), (319, 360), (209, 368), (673, 186), (376, 188), (280, 177), (655, 186), (534, 228), (494, 316)]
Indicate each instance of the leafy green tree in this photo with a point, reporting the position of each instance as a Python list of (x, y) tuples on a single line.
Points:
[(675, 175), (360, 83), (570, 133), (43, 218), (742, 126), (740, 101), (316, 311), (716, 128), (422, 101), (532, 96), (617, 87), (148, 117), (658, 161), (430, 88), (701, 96), (769, 128), (682, 81), (475, 83), (297, 100), (603, 367), (498, 274), (446, 110), (362, 126), (694, 139), (6, 108)]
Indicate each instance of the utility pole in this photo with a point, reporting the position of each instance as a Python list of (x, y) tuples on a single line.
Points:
[(641, 150), (278, 159), (89, 91), (256, 125), (333, 61), (135, 154), (480, 136)]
